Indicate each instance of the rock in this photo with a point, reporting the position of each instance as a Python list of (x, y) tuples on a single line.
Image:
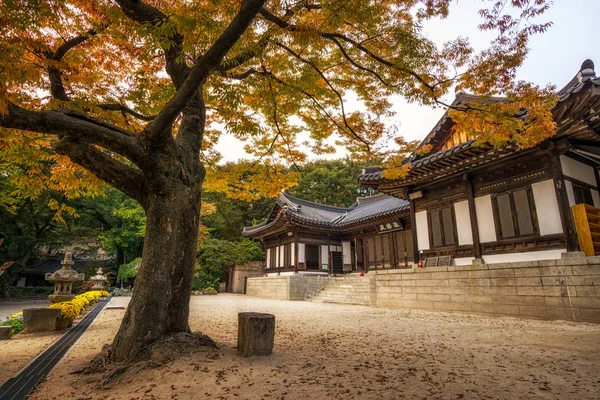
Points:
[(256, 334), (39, 319), (5, 332)]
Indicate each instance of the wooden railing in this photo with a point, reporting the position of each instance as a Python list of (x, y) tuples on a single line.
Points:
[(587, 224)]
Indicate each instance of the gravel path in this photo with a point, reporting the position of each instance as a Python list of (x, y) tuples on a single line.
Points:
[(328, 351)]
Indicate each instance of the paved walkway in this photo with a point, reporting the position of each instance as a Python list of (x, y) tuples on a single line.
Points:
[(12, 307)]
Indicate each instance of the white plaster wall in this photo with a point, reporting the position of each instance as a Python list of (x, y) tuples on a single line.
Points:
[(485, 219), (268, 258), (281, 256), (570, 193), (526, 256), (578, 170), (301, 253), (293, 250), (596, 198), (546, 206), (346, 256), (277, 257), (422, 230), (324, 255), (463, 222), (464, 261)]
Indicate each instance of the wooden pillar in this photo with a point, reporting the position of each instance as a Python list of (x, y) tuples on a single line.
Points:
[(413, 223), (295, 231), (473, 215), (329, 259), (566, 216), (365, 252), (278, 254)]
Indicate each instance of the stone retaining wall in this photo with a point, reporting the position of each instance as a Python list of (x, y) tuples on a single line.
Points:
[(240, 272), (566, 289), (294, 287)]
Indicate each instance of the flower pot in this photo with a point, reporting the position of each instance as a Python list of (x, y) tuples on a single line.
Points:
[(63, 323)]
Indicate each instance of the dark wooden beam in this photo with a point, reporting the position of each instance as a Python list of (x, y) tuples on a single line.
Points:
[(473, 215)]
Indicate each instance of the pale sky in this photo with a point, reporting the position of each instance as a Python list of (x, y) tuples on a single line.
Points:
[(554, 57)]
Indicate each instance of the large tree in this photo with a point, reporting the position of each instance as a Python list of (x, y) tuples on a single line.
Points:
[(136, 93)]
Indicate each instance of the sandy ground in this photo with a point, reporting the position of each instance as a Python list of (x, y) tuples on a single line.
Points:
[(327, 351), (22, 348), (18, 351)]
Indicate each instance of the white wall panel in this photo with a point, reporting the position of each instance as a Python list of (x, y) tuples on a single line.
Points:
[(570, 193), (578, 170), (346, 256), (485, 219), (301, 254), (324, 255), (293, 250), (546, 206), (463, 222), (596, 198), (422, 230), (269, 258), (525, 256)]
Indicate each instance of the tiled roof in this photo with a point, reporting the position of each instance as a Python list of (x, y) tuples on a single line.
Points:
[(585, 75), (52, 265), (303, 212)]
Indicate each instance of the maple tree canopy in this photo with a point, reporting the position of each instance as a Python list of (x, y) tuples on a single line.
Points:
[(82, 71)]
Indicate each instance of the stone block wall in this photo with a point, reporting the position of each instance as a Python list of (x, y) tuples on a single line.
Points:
[(240, 272), (293, 287), (567, 289)]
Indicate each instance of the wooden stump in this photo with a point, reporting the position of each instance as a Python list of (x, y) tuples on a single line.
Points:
[(256, 333)]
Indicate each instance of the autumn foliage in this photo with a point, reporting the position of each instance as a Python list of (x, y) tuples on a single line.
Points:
[(136, 93)]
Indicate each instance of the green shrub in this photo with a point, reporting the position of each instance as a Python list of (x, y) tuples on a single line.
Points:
[(16, 324), (32, 291)]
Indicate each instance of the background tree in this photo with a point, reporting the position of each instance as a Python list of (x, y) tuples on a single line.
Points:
[(331, 182), (131, 91)]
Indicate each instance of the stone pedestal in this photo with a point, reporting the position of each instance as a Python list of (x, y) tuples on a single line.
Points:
[(5, 332), (256, 334), (39, 319)]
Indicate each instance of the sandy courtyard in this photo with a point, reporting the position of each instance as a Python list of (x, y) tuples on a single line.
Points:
[(332, 351)]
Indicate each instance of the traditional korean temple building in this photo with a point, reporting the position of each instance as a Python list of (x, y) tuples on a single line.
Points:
[(499, 205), (311, 238), (458, 204)]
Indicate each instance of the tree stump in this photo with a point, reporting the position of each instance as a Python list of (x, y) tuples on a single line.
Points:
[(256, 333)]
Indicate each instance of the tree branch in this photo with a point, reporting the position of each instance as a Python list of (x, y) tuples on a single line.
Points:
[(143, 13), (332, 36), (70, 123), (125, 110), (127, 179), (337, 93), (206, 64), (57, 88)]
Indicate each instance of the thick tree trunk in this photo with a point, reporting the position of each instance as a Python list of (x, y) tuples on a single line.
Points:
[(160, 302)]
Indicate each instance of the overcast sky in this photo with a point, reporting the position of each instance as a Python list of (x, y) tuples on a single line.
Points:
[(554, 57)]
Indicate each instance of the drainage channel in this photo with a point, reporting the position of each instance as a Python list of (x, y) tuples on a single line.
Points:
[(19, 387)]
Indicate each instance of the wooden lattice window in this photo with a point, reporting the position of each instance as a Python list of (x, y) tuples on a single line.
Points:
[(583, 195), (287, 255), (515, 214), (273, 257), (442, 227)]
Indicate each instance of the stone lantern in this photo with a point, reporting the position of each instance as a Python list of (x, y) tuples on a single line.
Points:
[(99, 280), (63, 280)]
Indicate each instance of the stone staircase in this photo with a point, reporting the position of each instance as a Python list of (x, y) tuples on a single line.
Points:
[(348, 289)]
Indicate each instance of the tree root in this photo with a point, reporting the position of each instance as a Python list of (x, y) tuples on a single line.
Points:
[(157, 354)]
